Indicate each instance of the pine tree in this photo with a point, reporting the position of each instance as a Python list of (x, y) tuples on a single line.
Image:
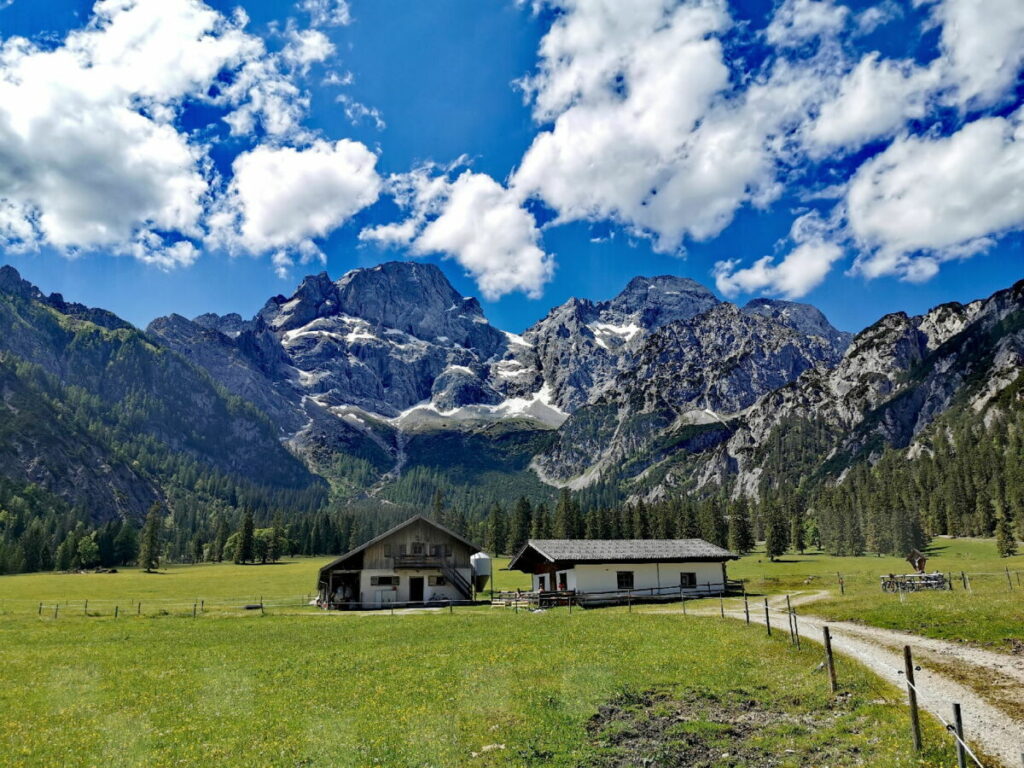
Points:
[(149, 546), (437, 507), (567, 524), (519, 530), (541, 525), (126, 544), (277, 543), (741, 538), (221, 538), (497, 530), (1006, 542), (246, 551), (712, 524), (776, 532), (796, 529)]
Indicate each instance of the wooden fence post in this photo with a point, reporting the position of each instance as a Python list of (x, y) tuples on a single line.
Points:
[(194, 606), (85, 608), (684, 606), (202, 606), (746, 607), (40, 609), (1009, 583), (629, 601), (958, 722), (963, 580), (55, 607), (830, 661), (721, 606), (138, 611), (117, 610), (767, 618), (915, 721)]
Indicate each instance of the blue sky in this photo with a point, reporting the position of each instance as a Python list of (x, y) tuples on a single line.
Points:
[(861, 157)]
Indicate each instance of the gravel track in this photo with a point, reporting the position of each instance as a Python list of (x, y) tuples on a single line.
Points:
[(992, 730)]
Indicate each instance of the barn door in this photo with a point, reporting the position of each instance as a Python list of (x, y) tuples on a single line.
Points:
[(415, 589)]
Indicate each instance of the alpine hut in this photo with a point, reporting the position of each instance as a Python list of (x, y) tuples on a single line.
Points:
[(418, 561), (614, 570)]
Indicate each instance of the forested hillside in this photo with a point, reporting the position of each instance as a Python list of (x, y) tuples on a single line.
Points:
[(688, 417)]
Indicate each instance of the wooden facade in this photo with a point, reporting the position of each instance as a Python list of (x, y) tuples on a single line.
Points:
[(416, 562)]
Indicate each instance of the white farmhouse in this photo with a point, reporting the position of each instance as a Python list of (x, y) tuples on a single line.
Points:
[(418, 561), (613, 570)]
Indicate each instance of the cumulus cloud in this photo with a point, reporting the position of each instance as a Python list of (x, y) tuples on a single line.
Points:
[(797, 21), (926, 199), (90, 153), (280, 198), (634, 137), (802, 269), (475, 221), (983, 47), (327, 13), (305, 47), (874, 100)]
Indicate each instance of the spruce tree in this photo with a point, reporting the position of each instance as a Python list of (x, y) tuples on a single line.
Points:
[(796, 529), (567, 524), (126, 544), (149, 546), (776, 532), (277, 543), (519, 530), (497, 530), (1006, 542), (541, 525), (246, 545), (741, 538), (221, 538)]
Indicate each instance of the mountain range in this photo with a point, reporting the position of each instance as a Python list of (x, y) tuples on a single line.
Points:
[(374, 385)]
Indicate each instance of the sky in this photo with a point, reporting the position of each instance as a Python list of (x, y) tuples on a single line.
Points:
[(162, 156)]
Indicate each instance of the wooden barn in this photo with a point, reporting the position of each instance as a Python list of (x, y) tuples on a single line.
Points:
[(418, 561), (610, 570)]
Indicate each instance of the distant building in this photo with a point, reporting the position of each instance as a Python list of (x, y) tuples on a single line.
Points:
[(609, 570), (418, 561)]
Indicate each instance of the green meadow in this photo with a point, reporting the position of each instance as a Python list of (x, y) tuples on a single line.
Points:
[(480, 686), (990, 613)]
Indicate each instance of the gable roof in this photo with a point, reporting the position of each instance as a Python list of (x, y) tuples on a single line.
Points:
[(620, 551), (414, 519)]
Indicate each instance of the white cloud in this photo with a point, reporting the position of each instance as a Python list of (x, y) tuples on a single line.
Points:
[(305, 47), (796, 21), (280, 198), (90, 152), (474, 220), (875, 16), (925, 200), (799, 271), (983, 46), (327, 13), (875, 100)]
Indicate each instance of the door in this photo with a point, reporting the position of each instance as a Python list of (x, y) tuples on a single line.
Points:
[(416, 589)]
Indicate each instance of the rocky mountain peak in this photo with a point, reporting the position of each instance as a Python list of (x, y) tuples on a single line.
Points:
[(804, 318), (652, 302)]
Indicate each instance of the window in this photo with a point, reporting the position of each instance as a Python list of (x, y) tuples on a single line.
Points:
[(625, 579), (563, 580), (688, 580), (435, 550), (436, 581), (541, 583), (387, 550), (417, 548), (401, 549), (383, 581), (447, 550)]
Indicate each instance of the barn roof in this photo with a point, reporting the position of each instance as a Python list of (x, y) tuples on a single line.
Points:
[(414, 519), (618, 551)]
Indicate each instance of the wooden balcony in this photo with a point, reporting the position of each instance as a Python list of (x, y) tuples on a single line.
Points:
[(421, 562)]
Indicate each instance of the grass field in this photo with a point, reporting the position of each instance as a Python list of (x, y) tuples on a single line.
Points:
[(431, 689), (991, 614)]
